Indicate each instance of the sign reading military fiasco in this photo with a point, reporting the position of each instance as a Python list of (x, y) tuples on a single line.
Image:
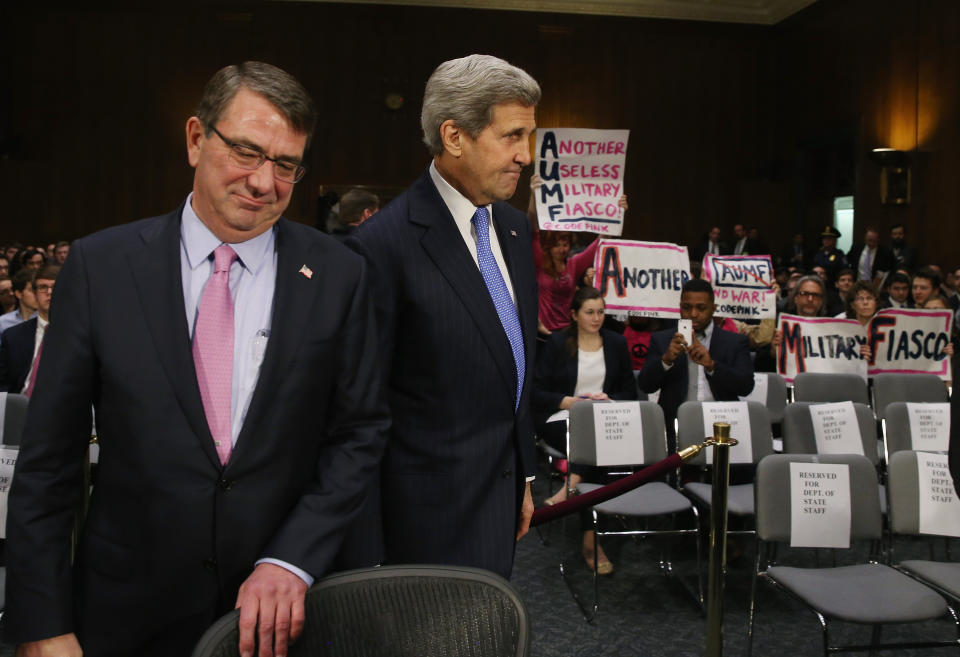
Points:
[(901, 341), (641, 278), (582, 179), (742, 286)]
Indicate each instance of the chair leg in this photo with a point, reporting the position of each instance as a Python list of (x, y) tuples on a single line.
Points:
[(875, 639), (696, 537), (826, 633)]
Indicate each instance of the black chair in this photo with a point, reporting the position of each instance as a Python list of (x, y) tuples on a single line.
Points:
[(400, 611), (12, 419)]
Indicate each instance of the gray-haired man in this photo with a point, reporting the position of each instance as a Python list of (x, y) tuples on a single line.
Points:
[(456, 298)]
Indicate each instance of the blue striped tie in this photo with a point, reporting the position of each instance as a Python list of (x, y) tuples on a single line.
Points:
[(500, 294)]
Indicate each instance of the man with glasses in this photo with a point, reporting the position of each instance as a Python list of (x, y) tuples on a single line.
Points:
[(230, 359), (20, 345)]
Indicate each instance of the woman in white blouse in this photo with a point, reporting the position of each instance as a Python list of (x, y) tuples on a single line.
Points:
[(582, 362)]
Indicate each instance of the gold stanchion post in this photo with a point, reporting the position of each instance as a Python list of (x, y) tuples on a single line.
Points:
[(722, 442)]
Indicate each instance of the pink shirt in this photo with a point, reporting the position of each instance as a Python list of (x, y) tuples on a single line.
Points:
[(557, 293)]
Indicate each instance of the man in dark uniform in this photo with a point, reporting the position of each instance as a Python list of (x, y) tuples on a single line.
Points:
[(829, 256)]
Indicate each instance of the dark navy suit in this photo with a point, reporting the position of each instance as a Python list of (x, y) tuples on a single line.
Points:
[(455, 464), (16, 355)]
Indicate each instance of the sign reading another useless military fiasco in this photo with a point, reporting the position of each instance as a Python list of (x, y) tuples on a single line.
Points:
[(582, 179), (901, 341), (641, 278)]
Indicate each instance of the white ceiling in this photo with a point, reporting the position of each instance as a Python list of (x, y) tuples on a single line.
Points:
[(761, 12)]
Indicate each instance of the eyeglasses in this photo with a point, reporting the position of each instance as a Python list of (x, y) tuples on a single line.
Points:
[(46, 289), (247, 157), (865, 299), (810, 295)]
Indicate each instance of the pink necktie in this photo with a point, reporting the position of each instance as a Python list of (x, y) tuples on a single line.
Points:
[(36, 364), (213, 350)]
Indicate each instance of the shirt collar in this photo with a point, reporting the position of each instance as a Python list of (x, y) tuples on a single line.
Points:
[(41, 322), (708, 332), (199, 242), (459, 205)]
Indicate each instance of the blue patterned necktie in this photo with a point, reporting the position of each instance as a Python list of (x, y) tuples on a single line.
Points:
[(500, 294)]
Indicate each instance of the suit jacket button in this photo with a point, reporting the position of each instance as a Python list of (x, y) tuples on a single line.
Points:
[(507, 474), (210, 563), (224, 484)]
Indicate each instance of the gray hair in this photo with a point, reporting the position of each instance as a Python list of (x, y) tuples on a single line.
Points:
[(809, 278), (281, 89), (465, 90)]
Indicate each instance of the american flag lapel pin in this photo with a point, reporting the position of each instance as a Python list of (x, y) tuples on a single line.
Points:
[(306, 271)]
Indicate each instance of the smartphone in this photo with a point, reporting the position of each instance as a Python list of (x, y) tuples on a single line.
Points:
[(685, 328)]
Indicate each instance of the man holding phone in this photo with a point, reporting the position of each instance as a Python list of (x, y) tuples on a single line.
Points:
[(706, 364)]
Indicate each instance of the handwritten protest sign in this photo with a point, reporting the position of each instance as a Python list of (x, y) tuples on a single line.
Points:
[(929, 426), (939, 506), (820, 344), (910, 341), (741, 286), (8, 460), (641, 278), (582, 174), (737, 415), (836, 429), (820, 505)]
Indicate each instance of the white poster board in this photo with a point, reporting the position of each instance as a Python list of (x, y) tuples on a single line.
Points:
[(737, 416), (836, 428), (582, 179), (939, 506), (820, 344), (8, 460), (618, 432), (742, 286), (910, 341), (819, 505), (641, 278), (929, 426)]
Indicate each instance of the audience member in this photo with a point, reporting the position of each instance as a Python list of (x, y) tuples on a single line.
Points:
[(743, 244), (60, 251), (949, 288), (356, 206), (760, 247), (26, 300), (796, 253), (837, 297), (862, 302), (637, 333), (209, 495), (20, 345), (926, 283), (898, 291), (711, 245), (456, 295), (715, 366), (8, 302), (32, 259), (904, 255), (583, 362), (829, 256), (807, 299), (4, 266), (871, 260)]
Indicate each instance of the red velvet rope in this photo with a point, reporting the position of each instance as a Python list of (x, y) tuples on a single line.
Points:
[(594, 497)]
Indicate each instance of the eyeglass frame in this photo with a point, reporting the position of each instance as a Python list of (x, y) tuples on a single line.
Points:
[(299, 172)]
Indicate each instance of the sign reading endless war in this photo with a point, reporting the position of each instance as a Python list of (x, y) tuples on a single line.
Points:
[(582, 179)]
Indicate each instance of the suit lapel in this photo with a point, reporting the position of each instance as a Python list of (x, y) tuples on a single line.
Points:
[(156, 272), (444, 245), (293, 297)]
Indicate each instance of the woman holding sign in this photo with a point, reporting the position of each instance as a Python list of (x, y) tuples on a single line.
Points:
[(558, 273), (583, 362)]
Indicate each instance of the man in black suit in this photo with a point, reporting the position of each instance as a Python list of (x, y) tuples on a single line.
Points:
[(904, 255), (456, 295), (871, 260), (20, 345), (236, 402), (711, 245), (715, 367)]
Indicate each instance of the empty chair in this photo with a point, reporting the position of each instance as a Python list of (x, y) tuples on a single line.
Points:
[(799, 436), (889, 388), (867, 593), (817, 387), (899, 434), (400, 611), (653, 499), (775, 398), (14, 415), (691, 431)]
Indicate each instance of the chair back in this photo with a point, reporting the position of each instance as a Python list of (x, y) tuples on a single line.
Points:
[(776, 396), (14, 416), (889, 388), (799, 437), (821, 387), (897, 429), (400, 611), (691, 430), (773, 498), (583, 431)]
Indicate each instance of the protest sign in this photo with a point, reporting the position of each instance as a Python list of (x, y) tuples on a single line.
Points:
[(910, 341), (939, 507), (820, 505), (929, 426), (641, 278), (582, 179), (820, 344), (741, 286)]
